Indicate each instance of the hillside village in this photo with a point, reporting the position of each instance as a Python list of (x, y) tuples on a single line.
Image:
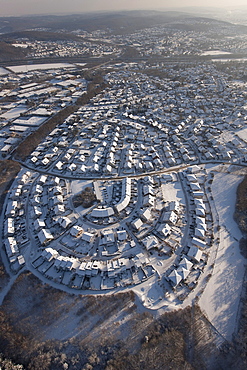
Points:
[(144, 147), (123, 156), (176, 37)]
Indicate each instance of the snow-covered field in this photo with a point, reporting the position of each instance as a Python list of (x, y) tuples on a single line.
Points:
[(78, 185), (215, 52), (173, 193), (33, 67), (229, 60), (220, 299), (3, 71)]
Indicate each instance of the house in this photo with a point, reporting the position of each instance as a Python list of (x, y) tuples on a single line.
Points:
[(38, 189), (198, 194), (9, 227), (66, 263), (164, 229), (148, 189), (42, 179), (200, 233), (170, 217), (36, 200), (57, 181), (151, 242), (174, 206), (108, 237), (76, 231), (122, 235), (11, 246), (198, 242), (20, 261), (81, 269), (11, 208), (137, 224), (64, 222), (57, 199), (57, 190), (59, 209), (36, 212), (45, 236), (185, 263), (191, 178), (200, 203), (126, 195), (175, 277), (59, 165), (102, 212), (49, 254), (97, 192), (193, 169), (124, 202), (6, 149), (24, 178), (146, 215), (200, 211), (195, 186), (87, 237), (16, 193), (195, 253), (39, 224), (200, 220), (148, 200), (183, 272)]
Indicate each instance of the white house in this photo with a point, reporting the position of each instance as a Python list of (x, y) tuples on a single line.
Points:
[(146, 215), (9, 227), (102, 212), (170, 217), (39, 224), (164, 229), (174, 206), (150, 242), (137, 224), (11, 246), (195, 253), (49, 254), (45, 236), (175, 277), (87, 237), (185, 263), (183, 272), (76, 231), (64, 222), (122, 235)]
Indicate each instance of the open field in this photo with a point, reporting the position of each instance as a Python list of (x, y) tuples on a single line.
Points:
[(44, 328)]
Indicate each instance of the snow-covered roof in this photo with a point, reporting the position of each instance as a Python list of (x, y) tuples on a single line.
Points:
[(137, 223), (195, 253), (45, 236), (185, 263), (64, 222), (175, 277), (183, 272), (102, 212), (150, 242)]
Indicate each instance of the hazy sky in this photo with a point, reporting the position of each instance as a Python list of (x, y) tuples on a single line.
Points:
[(23, 7)]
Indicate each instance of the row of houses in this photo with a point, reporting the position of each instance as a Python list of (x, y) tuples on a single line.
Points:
[(93, 273)]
